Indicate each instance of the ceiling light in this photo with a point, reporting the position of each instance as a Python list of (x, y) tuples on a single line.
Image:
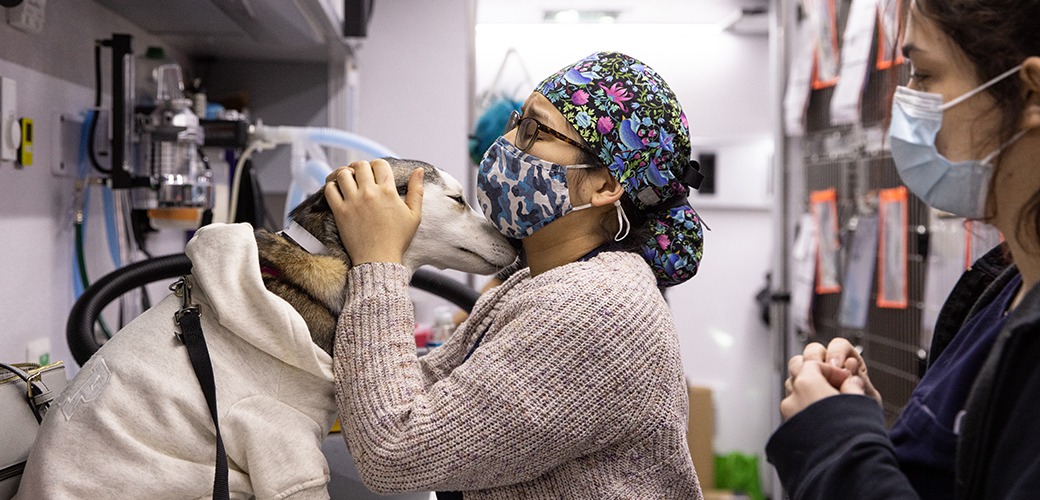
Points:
[(573, 16), (599, 29), (567, 17)]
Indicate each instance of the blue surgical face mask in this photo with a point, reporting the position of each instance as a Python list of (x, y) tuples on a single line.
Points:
[(520, 193), (956, 187)]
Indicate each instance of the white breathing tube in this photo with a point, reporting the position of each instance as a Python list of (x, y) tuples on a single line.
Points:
[(309, 165), (237, 181)]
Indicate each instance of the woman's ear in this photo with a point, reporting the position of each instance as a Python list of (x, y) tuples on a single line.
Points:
[(1030, 75), (605, 189)]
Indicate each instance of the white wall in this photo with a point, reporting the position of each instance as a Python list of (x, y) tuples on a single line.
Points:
[(721, 80), (414, 91)]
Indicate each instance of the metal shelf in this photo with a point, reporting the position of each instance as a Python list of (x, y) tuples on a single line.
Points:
[(269, 30)]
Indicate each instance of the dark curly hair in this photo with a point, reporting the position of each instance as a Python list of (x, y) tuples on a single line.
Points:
[(996, 35)]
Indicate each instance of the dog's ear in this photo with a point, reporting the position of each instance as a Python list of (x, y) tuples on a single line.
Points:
[(402, 170), (315, 215), (315, 203), (319, 203)]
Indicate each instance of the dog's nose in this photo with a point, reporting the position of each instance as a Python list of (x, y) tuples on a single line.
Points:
[(515, 243)]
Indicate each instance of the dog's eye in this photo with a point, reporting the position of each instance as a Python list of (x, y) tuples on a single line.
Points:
[(459, 199)]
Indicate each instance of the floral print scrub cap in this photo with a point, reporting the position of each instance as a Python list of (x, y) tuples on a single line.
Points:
[(627, 114)]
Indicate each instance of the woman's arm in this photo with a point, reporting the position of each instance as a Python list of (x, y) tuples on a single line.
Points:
[(834, 442), (543, 390), (836, 448)]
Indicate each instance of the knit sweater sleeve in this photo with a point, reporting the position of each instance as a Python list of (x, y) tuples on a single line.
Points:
[(543, 390)]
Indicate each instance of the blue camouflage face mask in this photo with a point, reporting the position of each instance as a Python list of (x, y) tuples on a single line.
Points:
[(520, 193)]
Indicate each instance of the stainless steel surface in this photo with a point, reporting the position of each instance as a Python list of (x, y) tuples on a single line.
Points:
[(299, 30)]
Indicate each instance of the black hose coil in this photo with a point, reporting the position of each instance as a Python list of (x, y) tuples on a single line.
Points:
[(80, 328)]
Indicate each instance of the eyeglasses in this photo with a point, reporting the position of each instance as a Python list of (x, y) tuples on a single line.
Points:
[(527, 132)]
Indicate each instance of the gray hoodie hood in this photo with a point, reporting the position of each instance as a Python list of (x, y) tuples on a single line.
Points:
[(226, 269)]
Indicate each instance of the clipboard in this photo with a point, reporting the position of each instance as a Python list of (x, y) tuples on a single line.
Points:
[(892, 248), (825, 220), (890, 34), (823, 17)]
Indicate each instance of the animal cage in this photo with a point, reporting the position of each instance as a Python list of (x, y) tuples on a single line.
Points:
[(853, 159)]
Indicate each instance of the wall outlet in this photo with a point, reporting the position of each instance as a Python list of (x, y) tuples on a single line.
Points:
[(10, 129), (38, 351)]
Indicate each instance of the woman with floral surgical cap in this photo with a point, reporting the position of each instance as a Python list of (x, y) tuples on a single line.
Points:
[(566, 380)]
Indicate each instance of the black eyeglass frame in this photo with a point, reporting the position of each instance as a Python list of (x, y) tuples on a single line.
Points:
[(520, 123)]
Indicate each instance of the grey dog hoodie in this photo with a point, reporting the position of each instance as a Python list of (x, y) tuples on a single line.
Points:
[(133, 423)]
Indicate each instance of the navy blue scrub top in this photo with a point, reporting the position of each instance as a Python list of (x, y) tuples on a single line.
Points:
[(924, 436)]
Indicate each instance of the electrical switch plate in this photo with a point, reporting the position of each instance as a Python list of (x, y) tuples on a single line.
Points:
[(28, 16), (10, 131), (38, 351), (69, 131)]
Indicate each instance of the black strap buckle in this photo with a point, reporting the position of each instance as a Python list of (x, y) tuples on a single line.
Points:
[(692, 175), (182, 289)]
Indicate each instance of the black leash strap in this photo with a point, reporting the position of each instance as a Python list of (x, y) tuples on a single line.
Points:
[(191, 334)]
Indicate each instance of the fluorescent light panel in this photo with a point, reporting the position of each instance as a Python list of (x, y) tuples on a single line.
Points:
[(572, 16), (583, 29)]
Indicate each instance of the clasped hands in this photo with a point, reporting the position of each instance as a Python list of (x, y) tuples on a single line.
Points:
[(820, 372)]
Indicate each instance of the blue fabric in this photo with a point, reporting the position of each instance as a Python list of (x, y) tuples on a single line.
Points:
[(924, 438), (491, 126), (520, 193)]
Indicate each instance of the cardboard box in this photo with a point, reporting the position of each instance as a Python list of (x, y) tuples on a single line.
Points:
[(700, 435), (723, 495)]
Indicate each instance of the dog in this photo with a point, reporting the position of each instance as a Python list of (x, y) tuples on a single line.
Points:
[(133, 423), (452, 234)]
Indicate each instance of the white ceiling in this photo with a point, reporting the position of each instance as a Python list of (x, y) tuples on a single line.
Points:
[(631, 11)]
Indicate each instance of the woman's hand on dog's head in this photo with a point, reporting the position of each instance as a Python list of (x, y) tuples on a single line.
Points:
[(375, 224)]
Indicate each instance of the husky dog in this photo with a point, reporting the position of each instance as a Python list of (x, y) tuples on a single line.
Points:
[(133, 422), (451, 235)]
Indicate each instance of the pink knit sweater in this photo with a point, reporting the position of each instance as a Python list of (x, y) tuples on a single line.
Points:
[(576, 391)]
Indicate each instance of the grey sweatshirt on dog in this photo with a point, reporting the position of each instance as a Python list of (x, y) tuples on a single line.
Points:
[(133, 423)]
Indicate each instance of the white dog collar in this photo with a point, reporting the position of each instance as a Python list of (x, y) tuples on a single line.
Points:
[(304, 238)]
